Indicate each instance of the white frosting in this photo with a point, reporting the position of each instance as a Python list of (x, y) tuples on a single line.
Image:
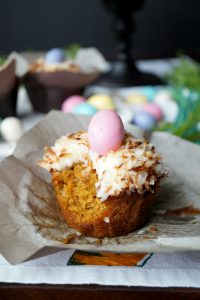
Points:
[(67, 151), (133, 167)]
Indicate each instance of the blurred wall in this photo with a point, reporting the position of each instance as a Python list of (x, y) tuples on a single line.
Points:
[(163, 27)]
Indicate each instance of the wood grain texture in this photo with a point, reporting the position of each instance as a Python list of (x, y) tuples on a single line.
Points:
[(93, 292)]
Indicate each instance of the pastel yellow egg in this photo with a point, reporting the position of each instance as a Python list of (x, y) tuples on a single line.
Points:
[(101, 101), (136, 99)]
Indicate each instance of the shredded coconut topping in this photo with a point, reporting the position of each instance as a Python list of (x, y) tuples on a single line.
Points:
[(135, 166)]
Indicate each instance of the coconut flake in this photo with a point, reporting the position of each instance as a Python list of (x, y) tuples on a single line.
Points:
[(106, 220)]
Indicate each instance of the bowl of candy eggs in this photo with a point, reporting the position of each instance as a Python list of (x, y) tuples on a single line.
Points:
[(161, 108)]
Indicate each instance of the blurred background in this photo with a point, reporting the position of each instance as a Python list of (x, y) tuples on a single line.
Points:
[(137, 57), (163, 28)]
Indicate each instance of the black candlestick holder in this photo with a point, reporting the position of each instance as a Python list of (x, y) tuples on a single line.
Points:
[(124, 71)]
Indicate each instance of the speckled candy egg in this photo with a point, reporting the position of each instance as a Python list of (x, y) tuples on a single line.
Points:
[(11, 129), (101, 101), (70, 103), (105, 132), (55, 55), (144, 120), (85, 109), (154, 110)]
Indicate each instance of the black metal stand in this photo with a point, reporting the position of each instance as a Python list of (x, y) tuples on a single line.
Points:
[(124, 71)]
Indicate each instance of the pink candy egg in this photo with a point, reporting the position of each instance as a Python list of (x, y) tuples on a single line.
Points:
[(154, 110), (70, 103), (105, 132)]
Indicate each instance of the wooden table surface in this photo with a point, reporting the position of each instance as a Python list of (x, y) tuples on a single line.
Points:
[(93, 292)]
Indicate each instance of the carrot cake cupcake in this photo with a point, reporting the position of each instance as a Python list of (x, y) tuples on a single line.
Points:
[(105, 180)]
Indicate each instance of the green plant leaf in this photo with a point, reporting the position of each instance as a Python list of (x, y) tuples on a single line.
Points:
[(2, 60), (185, 74), (71, 51)]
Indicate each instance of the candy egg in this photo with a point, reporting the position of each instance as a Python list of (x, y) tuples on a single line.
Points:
[(154, 110), (168, 106), (144, 120), (149, 92), (126, 114), (11, 129), (136, 99), (162, 95), (85, 109), (55, 55), (101, 101), (70, 103), (105, 132)]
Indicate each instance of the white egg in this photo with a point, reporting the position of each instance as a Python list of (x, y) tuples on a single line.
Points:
[(126, 114), (11, 129), (162, 96), (168, 106)]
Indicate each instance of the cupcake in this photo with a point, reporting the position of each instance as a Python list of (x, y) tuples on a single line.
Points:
[(105, 185), (8, 88), (53, 78)]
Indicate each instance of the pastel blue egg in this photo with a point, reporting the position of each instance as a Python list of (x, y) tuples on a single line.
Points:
[(55, 55), (85, 109), (149, 92), (144, 120)]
